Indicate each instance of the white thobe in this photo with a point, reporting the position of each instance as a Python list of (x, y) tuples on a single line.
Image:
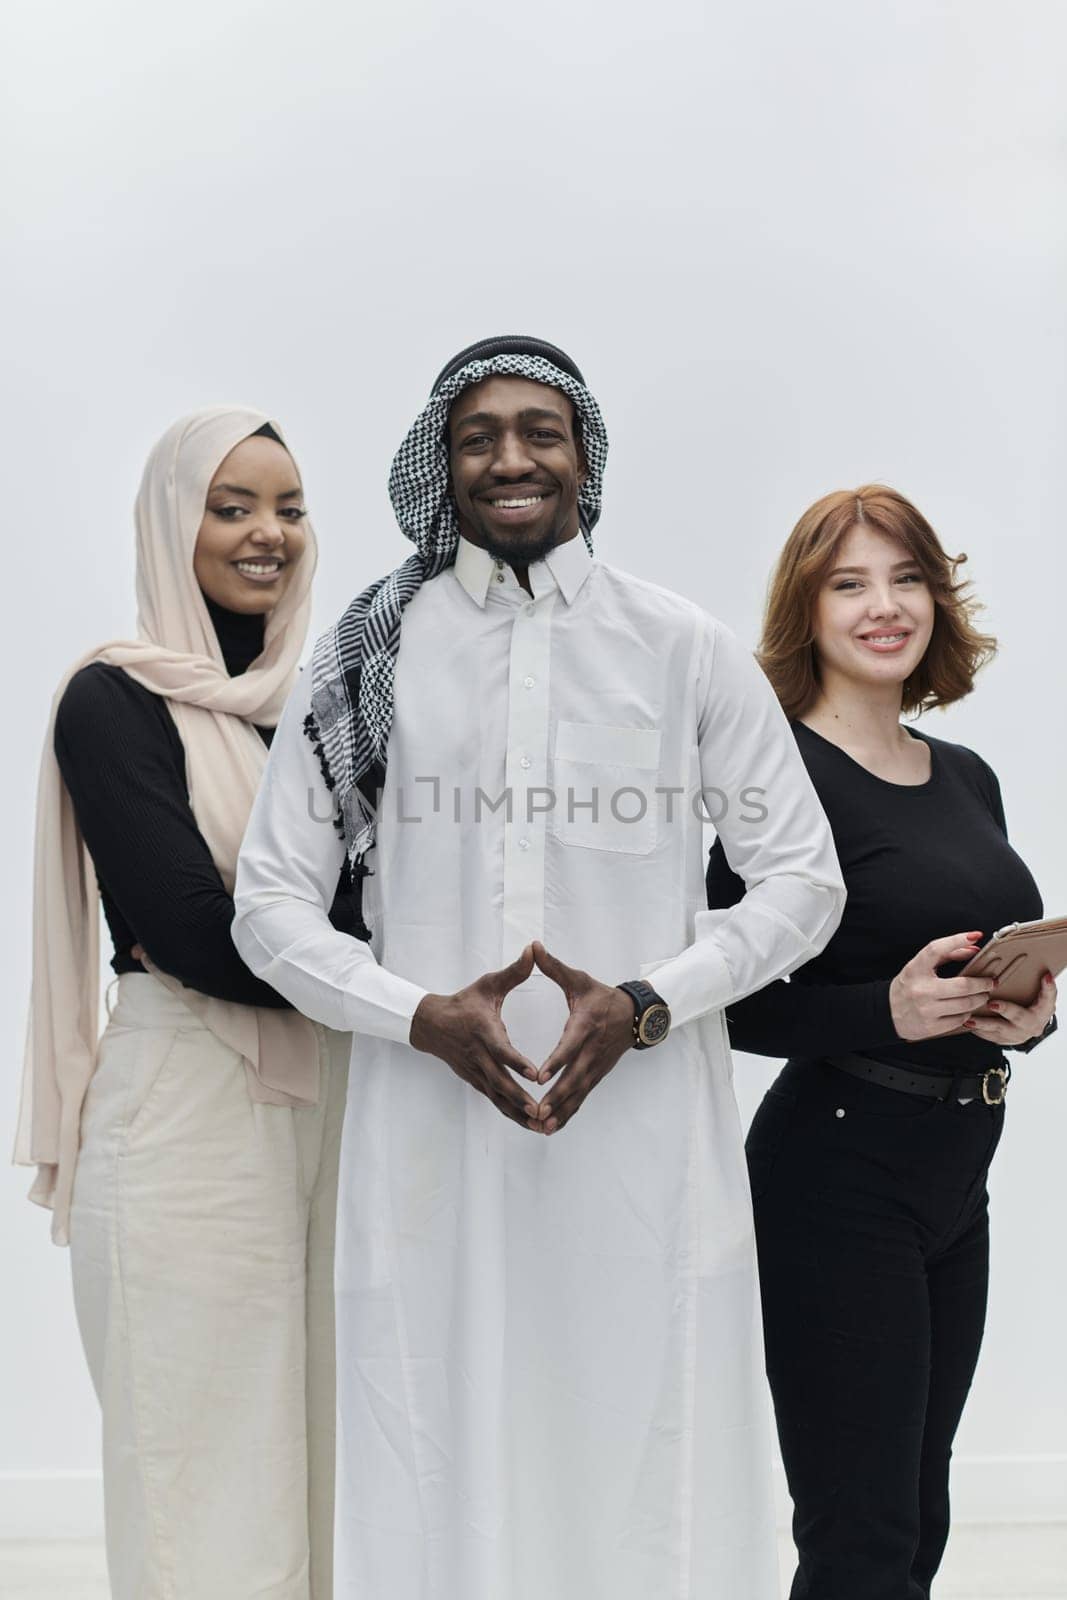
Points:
[(550, 1363)]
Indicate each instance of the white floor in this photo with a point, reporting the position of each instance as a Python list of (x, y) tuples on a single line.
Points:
[(1005, 1562)]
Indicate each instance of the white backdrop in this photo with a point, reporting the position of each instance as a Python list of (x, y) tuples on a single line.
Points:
[(793, 247)]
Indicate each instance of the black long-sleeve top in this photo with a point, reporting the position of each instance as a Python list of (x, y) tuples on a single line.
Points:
[(124, 765), (919, 862)]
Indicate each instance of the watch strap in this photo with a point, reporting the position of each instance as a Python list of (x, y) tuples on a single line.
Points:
[(642, 994), (645, 999)]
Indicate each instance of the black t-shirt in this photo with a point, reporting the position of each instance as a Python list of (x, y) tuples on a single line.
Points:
[(919, 862), (124, 765)]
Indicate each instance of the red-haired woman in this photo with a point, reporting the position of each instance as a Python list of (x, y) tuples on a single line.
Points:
[(868, 1156)]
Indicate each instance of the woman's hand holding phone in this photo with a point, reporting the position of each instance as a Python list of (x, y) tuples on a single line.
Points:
[(925, 1005), (1015, 1024)]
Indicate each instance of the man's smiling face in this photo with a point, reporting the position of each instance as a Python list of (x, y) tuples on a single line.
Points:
[(516, 465)]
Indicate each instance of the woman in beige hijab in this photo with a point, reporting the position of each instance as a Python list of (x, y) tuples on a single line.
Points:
[(190, 1157)]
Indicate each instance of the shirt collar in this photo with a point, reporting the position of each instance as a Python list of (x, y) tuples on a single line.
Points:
[(567, 567)]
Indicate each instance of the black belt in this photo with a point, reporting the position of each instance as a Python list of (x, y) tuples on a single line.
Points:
[(990, 1086)]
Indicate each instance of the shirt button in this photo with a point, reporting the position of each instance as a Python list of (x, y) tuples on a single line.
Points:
[(524, 844), (500, 577), (525, 763), (529, 610), (527, 683), (839, 1112)]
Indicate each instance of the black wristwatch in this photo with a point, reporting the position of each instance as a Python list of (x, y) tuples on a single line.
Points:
[(652, 1014)]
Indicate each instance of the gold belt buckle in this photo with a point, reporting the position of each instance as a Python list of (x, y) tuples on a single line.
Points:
[(995, 1072)]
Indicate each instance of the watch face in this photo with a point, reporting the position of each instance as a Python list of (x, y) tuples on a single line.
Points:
[(655, 1024)]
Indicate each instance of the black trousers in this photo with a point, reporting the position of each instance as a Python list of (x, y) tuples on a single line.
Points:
[(873, 1234)]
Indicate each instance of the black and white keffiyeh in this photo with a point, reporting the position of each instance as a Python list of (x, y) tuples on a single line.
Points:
[(353, 662)]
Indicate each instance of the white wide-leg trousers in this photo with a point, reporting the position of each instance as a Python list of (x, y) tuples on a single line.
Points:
[(202, 1234)]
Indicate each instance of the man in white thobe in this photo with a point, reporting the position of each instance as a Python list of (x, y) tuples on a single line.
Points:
[(549, 1356)]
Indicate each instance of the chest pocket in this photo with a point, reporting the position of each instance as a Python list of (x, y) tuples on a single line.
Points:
[(605, 787)]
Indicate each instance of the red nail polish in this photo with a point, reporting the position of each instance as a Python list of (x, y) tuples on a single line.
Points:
[(994, 1005), (970, 1024)]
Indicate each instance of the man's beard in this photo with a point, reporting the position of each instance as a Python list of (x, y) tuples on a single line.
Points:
[(523, 552)]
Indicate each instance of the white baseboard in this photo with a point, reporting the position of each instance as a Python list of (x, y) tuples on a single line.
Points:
[(990, 1489), (986, 1490), (51, 1505), (1004, 1561), (1022, 1561)]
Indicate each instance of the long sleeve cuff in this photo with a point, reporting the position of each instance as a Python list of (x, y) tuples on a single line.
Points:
[(692, 983), (777, 927), (326, 975)]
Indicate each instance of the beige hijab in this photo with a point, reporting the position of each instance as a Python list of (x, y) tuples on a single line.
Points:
[(176, 655)]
